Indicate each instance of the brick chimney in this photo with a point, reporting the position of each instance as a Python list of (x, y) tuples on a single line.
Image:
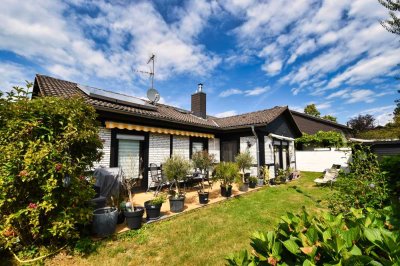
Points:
[(199, 102)]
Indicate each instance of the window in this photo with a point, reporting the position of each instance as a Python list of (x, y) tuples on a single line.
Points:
[(129, 155), (198, 144)]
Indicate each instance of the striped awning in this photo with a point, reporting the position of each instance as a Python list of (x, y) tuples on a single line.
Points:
[(111, 124)]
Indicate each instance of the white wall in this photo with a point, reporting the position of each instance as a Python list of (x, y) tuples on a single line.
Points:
[(105, 136), (214, 148), (269, 155), (244, 147), (319, 160), (180, 146)]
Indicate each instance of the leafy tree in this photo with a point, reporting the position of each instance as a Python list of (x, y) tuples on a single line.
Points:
[(361, 123), (393, 24), (311, 109), (330, 118), (47, 144)]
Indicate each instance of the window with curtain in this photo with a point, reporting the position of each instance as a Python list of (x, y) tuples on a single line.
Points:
[(129, 157), (197, 146)]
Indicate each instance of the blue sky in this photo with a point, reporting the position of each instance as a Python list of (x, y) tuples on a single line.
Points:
[(249, 54)]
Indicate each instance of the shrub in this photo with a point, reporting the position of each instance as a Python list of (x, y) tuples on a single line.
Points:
[(322, 139), (391, 165), (360, 238), (226, 173), (176, 169), (203, 161), (46, 146), (365, 185)]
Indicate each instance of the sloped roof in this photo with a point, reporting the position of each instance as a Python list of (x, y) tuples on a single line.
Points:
[(311, 124), (49, 86)]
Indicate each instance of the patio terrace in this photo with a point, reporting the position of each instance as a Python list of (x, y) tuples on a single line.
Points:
[(191, 201)]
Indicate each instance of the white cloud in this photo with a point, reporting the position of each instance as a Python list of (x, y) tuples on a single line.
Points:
[(62, 43), (360, 96), (252, 92), (339, 93), (226, 113), (230, 92), (13, 75), (322, 106), (295, 91), (382, 114), (256, 91), (272, 68)]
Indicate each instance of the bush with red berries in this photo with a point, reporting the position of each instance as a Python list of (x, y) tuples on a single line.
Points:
[(47, 144)]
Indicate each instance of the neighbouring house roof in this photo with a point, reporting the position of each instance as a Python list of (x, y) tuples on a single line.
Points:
[(311, 124), (49, 86)]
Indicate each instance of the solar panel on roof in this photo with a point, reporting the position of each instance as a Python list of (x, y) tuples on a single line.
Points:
[(115, 97)]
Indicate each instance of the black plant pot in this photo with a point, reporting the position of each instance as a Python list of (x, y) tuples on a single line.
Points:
[(252, 184), (226, 191), (121, 217), (244, 187), (134, 219), (104, 221), (176, 204), (203, 197), (152, 210)]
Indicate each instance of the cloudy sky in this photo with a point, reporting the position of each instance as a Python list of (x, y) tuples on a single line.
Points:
[(250, 55)]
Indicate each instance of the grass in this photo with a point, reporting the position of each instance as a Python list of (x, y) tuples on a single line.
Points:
[(206, 236)]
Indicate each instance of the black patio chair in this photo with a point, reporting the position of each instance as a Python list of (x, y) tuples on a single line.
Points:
[(157, 179)]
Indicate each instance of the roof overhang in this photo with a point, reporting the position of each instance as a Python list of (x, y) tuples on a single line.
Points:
[(159, 130)]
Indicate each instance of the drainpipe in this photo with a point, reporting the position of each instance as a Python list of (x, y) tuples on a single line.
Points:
[(258, 150)]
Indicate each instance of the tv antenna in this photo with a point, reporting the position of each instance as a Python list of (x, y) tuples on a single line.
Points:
[(152, 94)]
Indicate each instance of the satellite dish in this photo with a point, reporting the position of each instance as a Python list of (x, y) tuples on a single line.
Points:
[(153, 95)]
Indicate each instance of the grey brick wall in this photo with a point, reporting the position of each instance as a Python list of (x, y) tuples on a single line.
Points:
[(105, 136), (214, 148), (159, 150), (159, 145)]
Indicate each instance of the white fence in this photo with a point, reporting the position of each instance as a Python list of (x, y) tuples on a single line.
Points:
[(320, 159)]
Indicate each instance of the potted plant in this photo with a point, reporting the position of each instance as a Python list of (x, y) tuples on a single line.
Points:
[(264, 177), (244, 161), (226, 173), (153, 207), (253, 181), (176, 169), (203, 161), (133, 214)]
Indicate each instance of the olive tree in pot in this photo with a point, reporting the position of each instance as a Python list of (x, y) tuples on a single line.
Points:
[(153, 207), (226, 173), (244, 162), (133, 214), (176, 169), (203, 161)]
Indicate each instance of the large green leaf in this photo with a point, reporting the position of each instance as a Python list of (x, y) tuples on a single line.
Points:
[(291, 246), (350, 236), (373, 235)]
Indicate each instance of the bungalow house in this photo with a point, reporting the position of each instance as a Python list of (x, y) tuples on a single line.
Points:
[(136, 132)]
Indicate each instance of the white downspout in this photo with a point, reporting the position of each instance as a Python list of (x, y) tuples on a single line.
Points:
[(258, 150)]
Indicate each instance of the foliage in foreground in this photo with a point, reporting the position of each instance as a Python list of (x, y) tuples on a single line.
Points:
[(360, 238), (364, 186), (46, 146)]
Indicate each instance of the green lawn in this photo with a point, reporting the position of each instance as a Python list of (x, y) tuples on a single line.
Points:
[(207, 235)]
